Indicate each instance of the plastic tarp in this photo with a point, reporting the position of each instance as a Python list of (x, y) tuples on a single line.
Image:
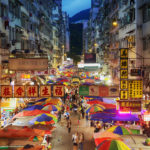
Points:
[(33, 108), (23, 121), (20, 133), (30, 113)]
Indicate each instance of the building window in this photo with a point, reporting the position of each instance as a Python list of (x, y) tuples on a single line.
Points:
[(146, 14)]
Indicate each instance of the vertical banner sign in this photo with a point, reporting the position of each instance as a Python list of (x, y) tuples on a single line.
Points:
[(123, 74), (84, 90), (45, 91), (32, 91), (19, 91), (135, 89), (93, 91), (6, 91), (58, 90)]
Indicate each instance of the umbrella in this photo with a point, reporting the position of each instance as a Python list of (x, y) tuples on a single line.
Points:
[(51, 108), (112, 145), (105, 134), (41, 100), (50, 81), (119, 130), (39, 107), (95, 108), (42, 119), (30, 113), (147, 141)]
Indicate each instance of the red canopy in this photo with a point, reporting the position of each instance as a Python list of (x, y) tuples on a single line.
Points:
[(106, 105), (30, 113)]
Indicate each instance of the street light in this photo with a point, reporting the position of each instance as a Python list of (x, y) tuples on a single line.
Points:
[(115, 23)]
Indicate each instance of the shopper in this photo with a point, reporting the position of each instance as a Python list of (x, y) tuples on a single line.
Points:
[(81, 140), (69, 126), (75, 140)]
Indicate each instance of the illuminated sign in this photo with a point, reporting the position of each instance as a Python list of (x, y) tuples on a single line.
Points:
[(135, 89)]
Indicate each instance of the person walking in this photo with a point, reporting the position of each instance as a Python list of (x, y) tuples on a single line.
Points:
[(75, 140), (69, 126), (81, 140)]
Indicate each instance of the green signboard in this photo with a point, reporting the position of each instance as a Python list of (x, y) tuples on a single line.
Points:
[(84, 90)]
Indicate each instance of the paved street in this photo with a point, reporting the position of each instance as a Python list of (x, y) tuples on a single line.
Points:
[(62, 140)]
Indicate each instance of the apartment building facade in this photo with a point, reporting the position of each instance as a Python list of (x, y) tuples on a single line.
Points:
[(30, 28)]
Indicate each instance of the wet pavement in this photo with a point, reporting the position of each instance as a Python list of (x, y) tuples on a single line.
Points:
[(62, 140)]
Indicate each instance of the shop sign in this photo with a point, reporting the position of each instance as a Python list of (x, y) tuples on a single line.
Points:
[(45, 91), (58, 90), (124, 84), (124, 63), (133, 106), (26, 64), (135, 89), (89, 58), (124, 74), (113, 91), (32, 91), (93, 91), (6, 91), (84, 90), (136, 72), (124, 53), (19, 91), (103, 91), (123, 95)]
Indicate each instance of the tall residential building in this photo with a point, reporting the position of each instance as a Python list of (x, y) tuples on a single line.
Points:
[(30, 29)]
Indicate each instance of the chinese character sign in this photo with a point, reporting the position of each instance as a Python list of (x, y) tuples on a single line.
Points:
[(133, 106), (45, 91), (93, 91), (6, 91), (124, 84), (123, 95), (19, 91), (124, 53), (58, 90), (135, 89), (32, 91)]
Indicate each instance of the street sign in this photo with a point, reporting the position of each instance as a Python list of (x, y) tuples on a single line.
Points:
[(124, 64), (124, 53), (84, 90)]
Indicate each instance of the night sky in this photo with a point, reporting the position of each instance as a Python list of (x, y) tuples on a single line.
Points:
[(74, 6)]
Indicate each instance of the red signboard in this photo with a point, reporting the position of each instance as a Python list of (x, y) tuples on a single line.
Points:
[(103, 91), (19, 91), (133, 106), (45, 91), (6, 91), (113, 91), (32, 91), (58, 90)]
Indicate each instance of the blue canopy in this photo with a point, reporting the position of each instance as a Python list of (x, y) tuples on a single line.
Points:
[(125, 117), (41, 100), (34, 107)]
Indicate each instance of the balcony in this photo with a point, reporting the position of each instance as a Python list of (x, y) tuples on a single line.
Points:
[(142, 3)]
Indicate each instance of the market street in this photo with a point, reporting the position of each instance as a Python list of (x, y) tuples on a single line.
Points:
[(62, 140)]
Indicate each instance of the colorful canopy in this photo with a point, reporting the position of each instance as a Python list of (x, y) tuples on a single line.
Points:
[(95, 108), (147, 141), (112, 145), (119, 130), (105, 134), (125, 117), (39, 107), (42, 119), (30, 113), (41, 100), (51, 108)]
